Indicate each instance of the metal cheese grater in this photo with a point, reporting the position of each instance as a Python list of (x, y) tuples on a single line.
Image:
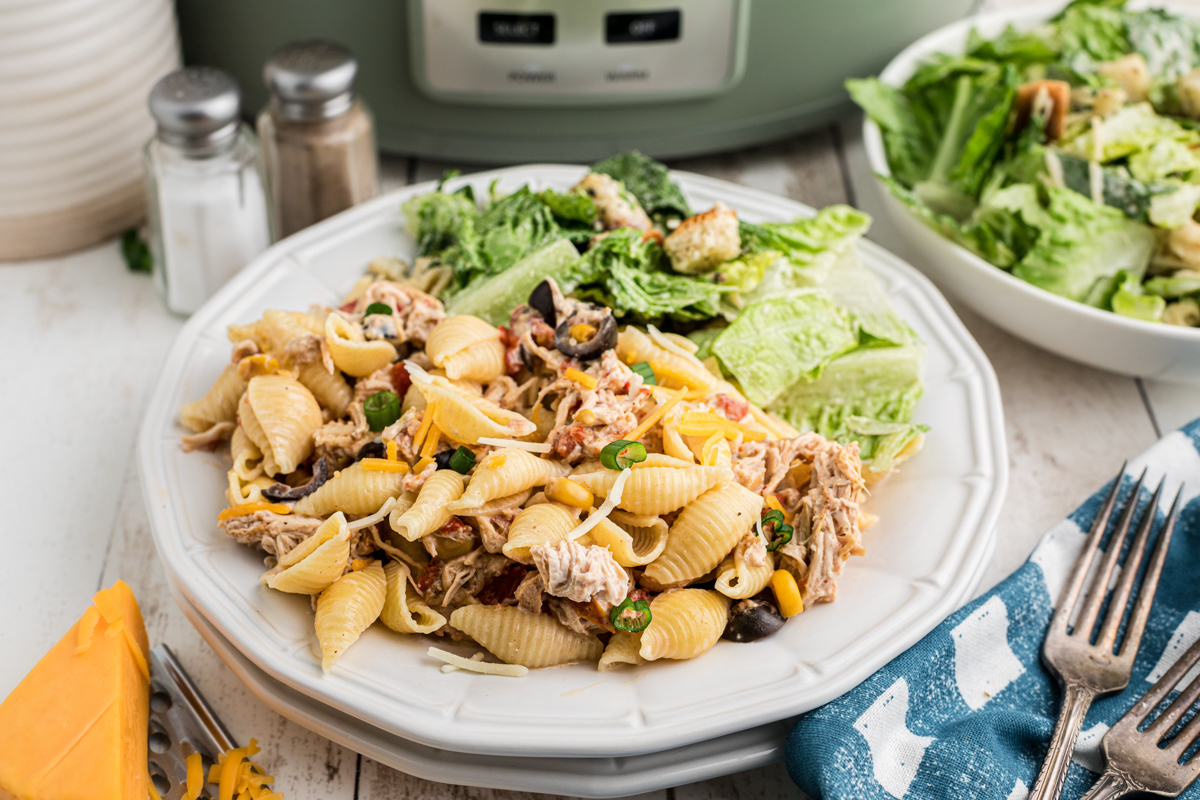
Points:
[(181, 723)]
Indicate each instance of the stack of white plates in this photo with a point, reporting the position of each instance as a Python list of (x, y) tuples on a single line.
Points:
[(573, 730), (74, 77)]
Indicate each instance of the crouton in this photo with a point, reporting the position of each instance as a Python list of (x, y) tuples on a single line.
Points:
[(703, 242), (1189, 93), (1131, 73), (1051, 98), (615, 206)]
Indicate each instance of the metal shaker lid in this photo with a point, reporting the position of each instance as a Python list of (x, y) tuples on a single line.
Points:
[(196, 107), (311, 80)]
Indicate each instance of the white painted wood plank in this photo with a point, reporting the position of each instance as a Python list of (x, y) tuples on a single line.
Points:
[(764, 783), (83, 340), (1069, 426)]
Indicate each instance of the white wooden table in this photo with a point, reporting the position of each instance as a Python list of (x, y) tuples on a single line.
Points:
[(83, 341)]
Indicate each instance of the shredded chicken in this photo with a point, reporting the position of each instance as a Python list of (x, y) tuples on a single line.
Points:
[(413, 481), (414, 313), (580, 573), (586, 419), (244, 348), (529, 593), (275, 533), (306, 350), (461, 579), (340, 440), (569, 615), (494, 519), (209, 439), (751, 551), (761, 466)]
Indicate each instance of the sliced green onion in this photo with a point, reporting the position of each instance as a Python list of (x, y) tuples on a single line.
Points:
[(381, 409), (783, 535), (622, 454), (774, 515), (462, 461), (631, 623), (643, 368), (378, 308)]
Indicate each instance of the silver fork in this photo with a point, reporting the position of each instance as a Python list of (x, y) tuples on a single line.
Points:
[(1141, 762), (1087, 670)]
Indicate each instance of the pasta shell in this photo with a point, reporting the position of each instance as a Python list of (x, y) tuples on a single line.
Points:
[(347, 608), (517, 637), (466, 418), (219, 404), (655, 490), (738, 580), (704, 532), (403, 609), (674, 368), (247, 458), (353, 490), (431, 509), (351, 352), (279, 415), (545, 523), (623, 648), (507, 471), (684, 623), (635, 540), (467, 348), (331, 390), (314, 564), (277, 329)]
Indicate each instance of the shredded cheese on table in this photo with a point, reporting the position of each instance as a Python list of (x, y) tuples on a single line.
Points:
[(610, 503), (451, 668), (656, 415), (250, 508), (533, 447), (383, 511), (239, 778), (195, 777), (482, 667)]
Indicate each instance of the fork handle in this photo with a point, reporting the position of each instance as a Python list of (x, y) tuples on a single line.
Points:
[(1110, 786), (1077, 700)]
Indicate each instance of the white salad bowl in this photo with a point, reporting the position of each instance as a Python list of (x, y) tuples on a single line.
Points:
[(924, 556), (1070, 329)]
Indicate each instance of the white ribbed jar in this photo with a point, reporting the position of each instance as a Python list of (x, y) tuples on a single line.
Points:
[(74, 75)]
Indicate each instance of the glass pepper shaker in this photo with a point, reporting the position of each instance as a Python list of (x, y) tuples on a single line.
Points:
[(318, 138), (207, 199)]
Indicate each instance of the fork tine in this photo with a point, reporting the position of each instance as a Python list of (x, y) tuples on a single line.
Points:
[(1165, 685), (1120, 596), (1145, 598), (1066, 602), (1099, 586), (1161, 727)]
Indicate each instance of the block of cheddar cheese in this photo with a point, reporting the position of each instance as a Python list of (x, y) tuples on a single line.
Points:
[(75, 728)]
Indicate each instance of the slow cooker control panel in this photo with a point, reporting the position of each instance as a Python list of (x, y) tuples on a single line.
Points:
[(578, 51)]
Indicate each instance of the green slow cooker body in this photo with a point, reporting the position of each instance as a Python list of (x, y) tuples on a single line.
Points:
[(797, 54)]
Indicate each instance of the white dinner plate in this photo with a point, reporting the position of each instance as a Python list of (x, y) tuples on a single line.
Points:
[(1073, 330), (923, 557)]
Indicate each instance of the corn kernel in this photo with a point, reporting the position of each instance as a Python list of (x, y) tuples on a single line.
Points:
[(569, 493), (787, 593), (585, 416), (582, 332)]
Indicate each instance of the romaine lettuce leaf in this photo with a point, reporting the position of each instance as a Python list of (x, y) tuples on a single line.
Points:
[(1130, 130), (493, 298), (1166, 41), (774, 343), (810, 248), (1175, 209), (649, 181), (437, 219), (1181, 283), (862, 396), (908, 141), (1017, 47), (1089, 33), (1130, 301)]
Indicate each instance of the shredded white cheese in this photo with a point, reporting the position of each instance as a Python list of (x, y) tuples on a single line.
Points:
[(452, 668), (660, 339), (482, 667), (383, 511), (606, 508), (1096, 182), (533, 447), (1054, 169)]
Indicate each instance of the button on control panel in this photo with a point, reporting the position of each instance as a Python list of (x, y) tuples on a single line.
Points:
[(547, 52), (646, 26), (516, 28)]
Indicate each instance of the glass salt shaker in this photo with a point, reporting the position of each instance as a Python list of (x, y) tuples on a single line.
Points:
[(207, 202), (318, 138)]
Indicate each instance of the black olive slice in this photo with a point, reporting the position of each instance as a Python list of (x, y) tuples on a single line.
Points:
[(541, 300), (281, 492), (605, 337), (751, 620)]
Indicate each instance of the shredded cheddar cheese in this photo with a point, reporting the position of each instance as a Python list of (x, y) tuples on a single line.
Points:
[(656, 415), (426, 424), (533, 447), (431, 442), (420, 466), (237, 777), (195, 777), (250, 508), (384, 465), (392, 447), (258, 364), (708, 454), (582, 378), (496, 460), (706, 423)]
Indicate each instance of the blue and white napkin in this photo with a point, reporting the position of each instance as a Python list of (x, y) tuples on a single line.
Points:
[(968, 711)]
